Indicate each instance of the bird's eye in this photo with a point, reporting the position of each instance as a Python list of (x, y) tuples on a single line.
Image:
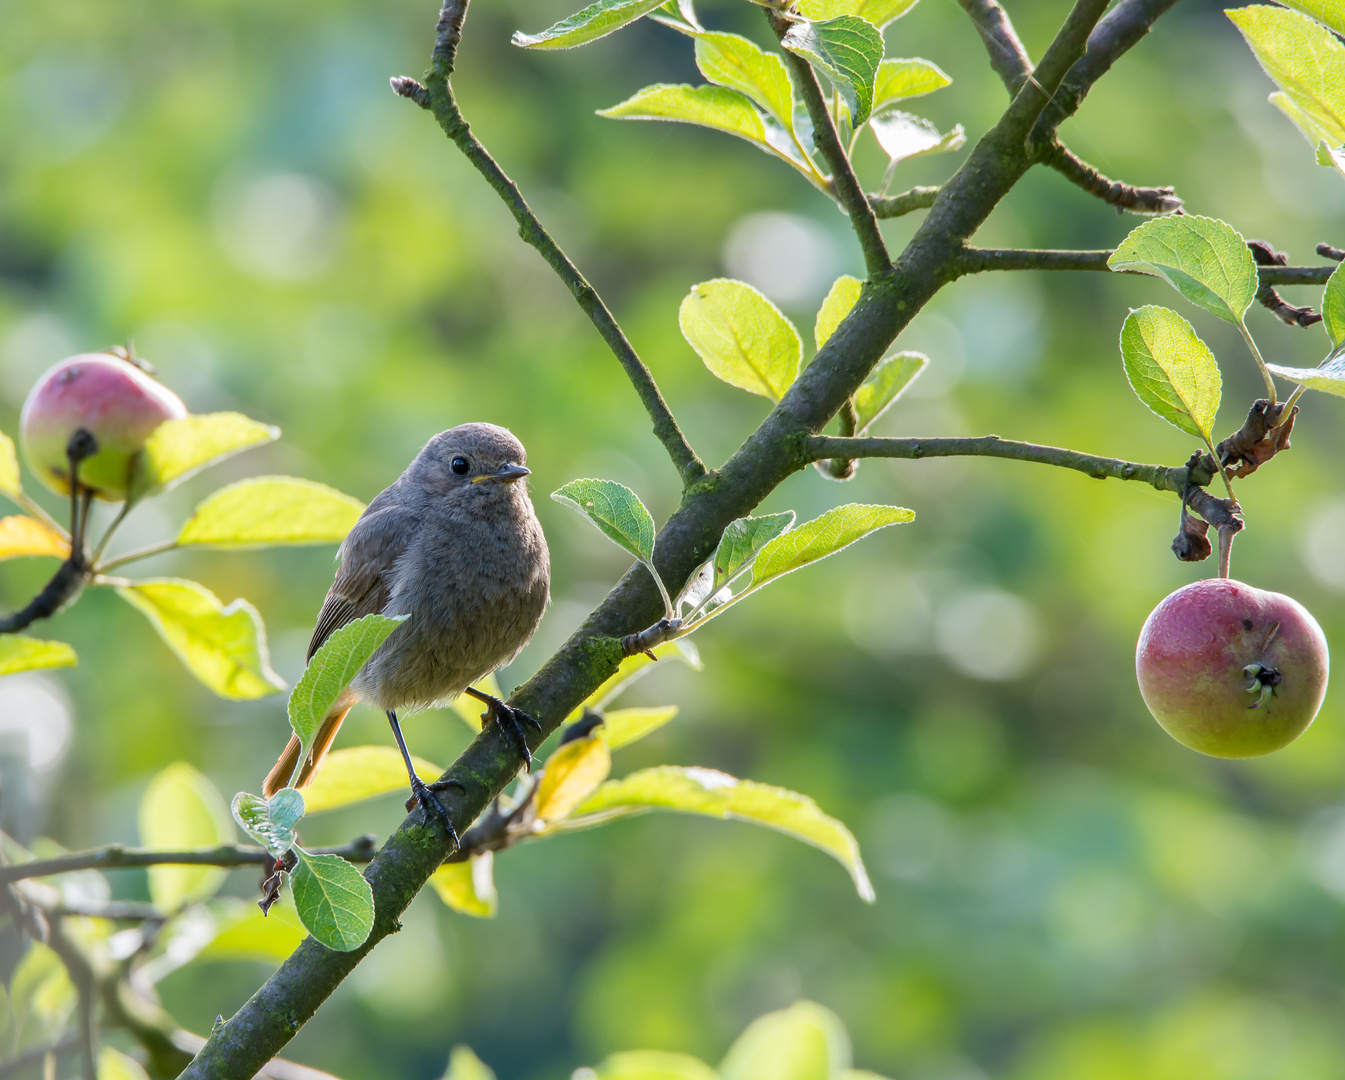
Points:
[(460, 465)]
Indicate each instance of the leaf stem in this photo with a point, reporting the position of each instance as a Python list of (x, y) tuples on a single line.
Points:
[(111, 528), (1256, 354), (132, 556), (27, 502)]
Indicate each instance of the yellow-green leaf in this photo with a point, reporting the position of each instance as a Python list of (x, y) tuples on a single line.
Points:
[(899, 80), (904, 135), (9, 468), (20, 653), (743, 338), (621, 727), (595, 21), (1171, 370), (465, 1065), (1329, 378), (1333, 307), (22, 535), (715, 107), (716, 794), (272, 510), (41, 994), (468, 887), (332, 667), (824, 535), (245, 934), (114, 1065), (739, 64), (839, 300), (178, 448), (182, 809), (635, 667), (223, 646), (616, 511), (886, 383), (355, 773), (802, 1042), (1204, 259), (571, 775), (1331, 12), (878, 12)]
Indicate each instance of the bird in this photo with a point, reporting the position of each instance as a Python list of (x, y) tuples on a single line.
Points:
[(454, 545)]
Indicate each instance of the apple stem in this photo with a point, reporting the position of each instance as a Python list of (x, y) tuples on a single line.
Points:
[(1225, 550)]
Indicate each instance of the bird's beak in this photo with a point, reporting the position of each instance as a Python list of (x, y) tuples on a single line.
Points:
[(507, 474)]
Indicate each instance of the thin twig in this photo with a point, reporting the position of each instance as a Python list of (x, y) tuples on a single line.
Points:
[(979, 260), (138, 553), (1161, 477), (437, 97), (1138, 200), (891, 206), (117, 857), (848, 192)]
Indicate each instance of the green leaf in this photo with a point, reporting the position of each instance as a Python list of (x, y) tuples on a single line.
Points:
[(652, 1065), (1329, 378), (708, 106), (114, 1065), (847, 49), (1204, 259), (621, 727), (1330, 12), (571, 775), (244, 933), (333, 900), (1319, 132), (182, 809), (595, 21), (9, 468), (20, 653), (878, 12), (1306, 61), (802, 1042), (842, 296), (178, 448), (903, 136), (468, 887), (355, 773), (824, 535), (333, 666), (22, 535), (739, 64), (885, 384), (741, 336), (224, 647), (899, 80), (716, 794), (742, 541), (270, 821), (619, 515), (464, 1065), (272, 510), (1171, 370), (41, 994), (1333, 307)]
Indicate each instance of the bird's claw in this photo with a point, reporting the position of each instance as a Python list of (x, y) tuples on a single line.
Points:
[(422, 793), (511, 722)]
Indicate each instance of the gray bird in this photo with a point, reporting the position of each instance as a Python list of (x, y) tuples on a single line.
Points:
[(454, 545)]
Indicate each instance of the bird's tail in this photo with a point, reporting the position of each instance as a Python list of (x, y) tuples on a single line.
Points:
[(279, 776)]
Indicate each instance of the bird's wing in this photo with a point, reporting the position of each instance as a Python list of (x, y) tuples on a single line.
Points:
[(368, 558)]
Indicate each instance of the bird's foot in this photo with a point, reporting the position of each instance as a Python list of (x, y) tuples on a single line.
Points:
[(512, 722), (422, 793)]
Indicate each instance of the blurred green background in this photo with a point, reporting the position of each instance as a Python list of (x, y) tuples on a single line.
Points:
[(1063, 891)]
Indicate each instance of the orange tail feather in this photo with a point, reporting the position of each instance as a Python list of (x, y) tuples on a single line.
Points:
[(279, 776)]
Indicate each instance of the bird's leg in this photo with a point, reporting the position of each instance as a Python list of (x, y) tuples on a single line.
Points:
[(511, 721), (420, 791)]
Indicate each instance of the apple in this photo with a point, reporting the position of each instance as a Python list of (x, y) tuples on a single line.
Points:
[(1231, 670), (109, 397)]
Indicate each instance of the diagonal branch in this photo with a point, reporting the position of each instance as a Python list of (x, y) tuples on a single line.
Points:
[(1008, 57), (775, 450), (843, 180), (891, 206), (437, 97)]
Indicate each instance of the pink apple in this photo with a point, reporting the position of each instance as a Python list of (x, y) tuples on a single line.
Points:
[(1231, 670), (108, 396)]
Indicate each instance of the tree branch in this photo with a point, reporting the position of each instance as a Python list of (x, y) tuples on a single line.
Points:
[(437, 97), (891, 206), (1138, 200), (116, 856), (979, 260), (776, 449), (1008, 57), (1161, 477), (846, 186)]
